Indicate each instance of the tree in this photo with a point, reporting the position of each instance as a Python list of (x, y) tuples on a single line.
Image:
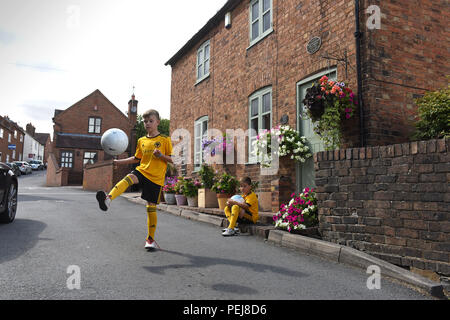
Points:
[(163, 128)]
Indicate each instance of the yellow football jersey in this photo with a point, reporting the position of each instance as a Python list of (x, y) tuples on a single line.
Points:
[(252, 200), (151, 167)]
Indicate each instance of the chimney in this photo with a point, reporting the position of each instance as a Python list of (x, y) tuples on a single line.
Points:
[(30, 129)]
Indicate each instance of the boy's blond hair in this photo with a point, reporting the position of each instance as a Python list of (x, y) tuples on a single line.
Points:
[(151, 112)]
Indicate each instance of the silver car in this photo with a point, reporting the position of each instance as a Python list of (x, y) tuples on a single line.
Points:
[(24, 167)]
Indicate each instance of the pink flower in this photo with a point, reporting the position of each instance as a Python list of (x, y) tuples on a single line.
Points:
[(347, 115)]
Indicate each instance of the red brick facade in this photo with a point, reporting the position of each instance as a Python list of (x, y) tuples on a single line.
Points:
[(71, 131), (11, 130), (400, 61)]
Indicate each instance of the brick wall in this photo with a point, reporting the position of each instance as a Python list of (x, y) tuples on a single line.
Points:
[(408, 56), (391, 201), (102, 175)]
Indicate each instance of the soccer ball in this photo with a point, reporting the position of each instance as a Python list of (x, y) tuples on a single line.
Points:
[(114, 141), (237, 198)]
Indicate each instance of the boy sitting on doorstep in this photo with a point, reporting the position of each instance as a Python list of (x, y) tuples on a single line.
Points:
[(241, 211)]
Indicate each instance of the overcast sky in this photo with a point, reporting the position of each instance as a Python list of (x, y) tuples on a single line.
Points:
[(53, 53)]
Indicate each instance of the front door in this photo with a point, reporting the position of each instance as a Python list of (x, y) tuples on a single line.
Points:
[(305, 175)]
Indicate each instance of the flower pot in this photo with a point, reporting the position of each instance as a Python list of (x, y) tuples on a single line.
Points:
[(207, 198), (170, 198), (222, 199), (181, 200), (192, 201)]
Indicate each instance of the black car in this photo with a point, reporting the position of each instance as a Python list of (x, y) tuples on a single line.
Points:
[(8, 194), (14, 168)]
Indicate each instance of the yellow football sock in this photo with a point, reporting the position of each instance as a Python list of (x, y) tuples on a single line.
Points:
[(152, 220), (120, 187), (232, 215)]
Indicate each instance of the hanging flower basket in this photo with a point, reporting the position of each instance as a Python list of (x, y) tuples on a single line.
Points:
[(328, 104), (290, 144)]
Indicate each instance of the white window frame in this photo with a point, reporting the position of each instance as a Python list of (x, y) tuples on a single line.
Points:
[(96, 126), (1, 133), (9, 137), (260, 21), (21, 138), (15, 134), (66, 160), (258, 95), (198, 140), (90, 158), (202, 59)]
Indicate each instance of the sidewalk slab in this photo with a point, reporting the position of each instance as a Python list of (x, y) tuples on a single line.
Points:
[(174, 210), (356, 258), (316, 247), (189, 214), (214, 220)]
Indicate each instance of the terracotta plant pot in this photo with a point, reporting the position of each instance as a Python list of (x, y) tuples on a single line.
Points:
[(181, 199), (170, 198)]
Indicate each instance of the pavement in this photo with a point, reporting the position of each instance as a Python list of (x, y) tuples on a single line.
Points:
[(309, 245)]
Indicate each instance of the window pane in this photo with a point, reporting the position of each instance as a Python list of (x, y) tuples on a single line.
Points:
[(200, 57), (207, 66), (254, 106), (266, 121), (97, 130), (200, 72), (197, 129), (91, 121), (266, 5), (204, 127), (255, 30), (198, 145), (255, 11), (266, 102), (207, 52), (254, 125), (266, 22), (98, 121)]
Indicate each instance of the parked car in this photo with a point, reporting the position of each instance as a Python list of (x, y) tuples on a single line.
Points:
[(15, 168), (8, 194), (36, 164), (24, 167)]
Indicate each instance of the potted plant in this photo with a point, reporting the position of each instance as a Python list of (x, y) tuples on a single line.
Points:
[(179, 192), (225, 187), (206, 197), (169, 190), (299, 214), (328, 104), (191, 191)]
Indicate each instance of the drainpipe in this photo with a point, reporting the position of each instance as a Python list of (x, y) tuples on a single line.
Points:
[(358, 35)]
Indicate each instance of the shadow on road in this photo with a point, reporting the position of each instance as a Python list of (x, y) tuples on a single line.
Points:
[(26, 198), (18, 237), (201, 262)]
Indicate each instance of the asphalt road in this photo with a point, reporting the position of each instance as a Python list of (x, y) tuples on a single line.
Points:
[(60, 239)]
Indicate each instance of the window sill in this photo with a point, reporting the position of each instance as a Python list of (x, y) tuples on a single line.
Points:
[(201, 79), (260, 38)]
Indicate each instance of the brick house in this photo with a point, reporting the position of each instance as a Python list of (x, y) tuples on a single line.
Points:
[(78, 130), (248, 67), (11, 140)]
